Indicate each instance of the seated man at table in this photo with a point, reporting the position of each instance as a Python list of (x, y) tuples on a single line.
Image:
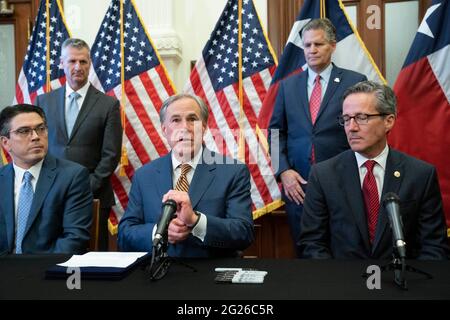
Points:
[(343, 214), (212, 192), (46, 202)]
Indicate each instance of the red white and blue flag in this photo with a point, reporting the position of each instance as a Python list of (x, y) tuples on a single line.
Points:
[(43, 53), (350, 52), (423, 93), (234, 83)]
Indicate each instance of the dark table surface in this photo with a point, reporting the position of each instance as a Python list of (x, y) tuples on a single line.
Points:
[(23, 277)]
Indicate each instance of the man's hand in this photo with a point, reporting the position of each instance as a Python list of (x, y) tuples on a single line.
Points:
[(292, 181), (179, 227)]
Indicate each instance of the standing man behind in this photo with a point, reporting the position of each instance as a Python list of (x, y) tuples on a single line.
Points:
[(303, 129), (212, 192), (46, 203), (84, 126), (343, 215)]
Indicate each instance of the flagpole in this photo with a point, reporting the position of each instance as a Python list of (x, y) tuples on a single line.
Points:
[(47, 44), (241, 147), (123, 157)]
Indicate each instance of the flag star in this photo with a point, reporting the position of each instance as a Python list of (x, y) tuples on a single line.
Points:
[(128, 68), (244, 35), (231, 74), (54, 52), (142, 43), (129, 16), (106, 48), (139, 62), (222, 46), (149, 58), (424, 27), (102, 67), (127, 25), (33, 74), (229, 50), (226, 60), (211, 51), (251, 40), (117, 74), (130, 58), (220, 79), (96, 54), (32, 83), (260, 45), (225, 37), (39, 44), (108, 37), (136, 29), (114, 51), (53, 19), (108, 81), (218, 32), (110, 71), (215, 65), (232, 40), (246, 25), (59, 34), (113, 61), (266, 60), (223, 70), (255, 30), (115, 7), (214, 42), (41, 34), (254, 64), (132, 49), (40, 77), (133, 39), (245, 59), (250, 16), (104, 58), (52, 62), (43, 25), (140, 53), (234, 64), (257, 54)]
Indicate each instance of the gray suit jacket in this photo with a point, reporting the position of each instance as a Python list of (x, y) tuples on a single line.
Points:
[(61, 212), (334, 223), (96, 137)]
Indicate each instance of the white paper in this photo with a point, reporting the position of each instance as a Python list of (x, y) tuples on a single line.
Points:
[(103, 259)]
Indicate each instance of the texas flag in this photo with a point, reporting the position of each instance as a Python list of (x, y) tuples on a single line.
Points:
[(422, 128), (351, 53)]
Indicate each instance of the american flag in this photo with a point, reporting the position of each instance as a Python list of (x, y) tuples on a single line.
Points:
[(350, 53), (146, 85), (215, 78), (39, 61)]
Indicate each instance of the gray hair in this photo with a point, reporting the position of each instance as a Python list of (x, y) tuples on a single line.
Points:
[(321, 24), (74, 43), (204, 113), (386, 101)]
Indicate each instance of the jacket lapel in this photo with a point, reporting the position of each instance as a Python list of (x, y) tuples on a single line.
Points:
[(303, 87), (88, 103), (7, 205), (164, 178), (203, 177), (45, 182), (393, 177), (352, 185), (61, 112), (336, 73)]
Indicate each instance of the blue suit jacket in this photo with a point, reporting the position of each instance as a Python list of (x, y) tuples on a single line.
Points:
[(220, 190), (291, 116), (334, 223), (61, 212)]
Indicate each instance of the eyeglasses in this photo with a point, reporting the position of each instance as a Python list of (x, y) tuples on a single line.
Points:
[(25, 132), (360, 118)]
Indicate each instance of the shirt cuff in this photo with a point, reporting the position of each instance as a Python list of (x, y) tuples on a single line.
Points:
[(199, 229)]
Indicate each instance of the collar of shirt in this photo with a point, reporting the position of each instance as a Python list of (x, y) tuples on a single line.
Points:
[(82, 91), (325, 78), (177, 169)]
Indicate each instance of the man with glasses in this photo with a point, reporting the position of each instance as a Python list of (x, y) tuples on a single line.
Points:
[(46, 202), (303, 127), (343, 216)]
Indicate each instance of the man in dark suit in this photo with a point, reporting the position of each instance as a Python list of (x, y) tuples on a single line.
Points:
[(92, 135), (46, 202), (214, 215), (342, 215), (303, 127)]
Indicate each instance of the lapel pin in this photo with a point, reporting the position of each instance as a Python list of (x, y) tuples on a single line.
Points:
[(397, 174), (337, 80)]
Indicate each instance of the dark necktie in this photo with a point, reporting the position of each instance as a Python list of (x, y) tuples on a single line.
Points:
[(371, 199), (183, 183), (23, 208)]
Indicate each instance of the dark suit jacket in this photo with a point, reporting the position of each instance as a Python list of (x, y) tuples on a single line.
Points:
[(291, 116), (334, 223), (61, 212), (96, 137), (220, 190)]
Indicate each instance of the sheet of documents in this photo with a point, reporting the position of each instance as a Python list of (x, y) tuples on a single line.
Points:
[(103, 259)]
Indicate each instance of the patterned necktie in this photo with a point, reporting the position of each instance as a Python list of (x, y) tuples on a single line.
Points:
[(314, 106), (72, 112), (183, 183), (25, 199), (371, 199)]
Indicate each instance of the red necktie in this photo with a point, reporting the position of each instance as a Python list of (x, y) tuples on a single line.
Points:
[(371, 199), (314, 106)]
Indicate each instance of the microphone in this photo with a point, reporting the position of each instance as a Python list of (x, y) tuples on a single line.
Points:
[(391, 203), (168, 211)]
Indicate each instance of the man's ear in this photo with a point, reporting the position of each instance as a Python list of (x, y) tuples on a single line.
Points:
[(389, 122)]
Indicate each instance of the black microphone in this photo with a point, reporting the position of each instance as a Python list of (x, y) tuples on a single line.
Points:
[(391, 203), (168, 211)]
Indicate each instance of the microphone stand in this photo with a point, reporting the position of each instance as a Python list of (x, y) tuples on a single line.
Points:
[(161, 261), (399, 266)]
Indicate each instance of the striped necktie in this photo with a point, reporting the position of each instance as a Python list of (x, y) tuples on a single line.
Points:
[(183, 183), (371, 199)]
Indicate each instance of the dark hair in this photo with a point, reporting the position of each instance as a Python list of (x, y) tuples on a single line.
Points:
[(10, 112), (321, 24), (204, 113), (386, 101)]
